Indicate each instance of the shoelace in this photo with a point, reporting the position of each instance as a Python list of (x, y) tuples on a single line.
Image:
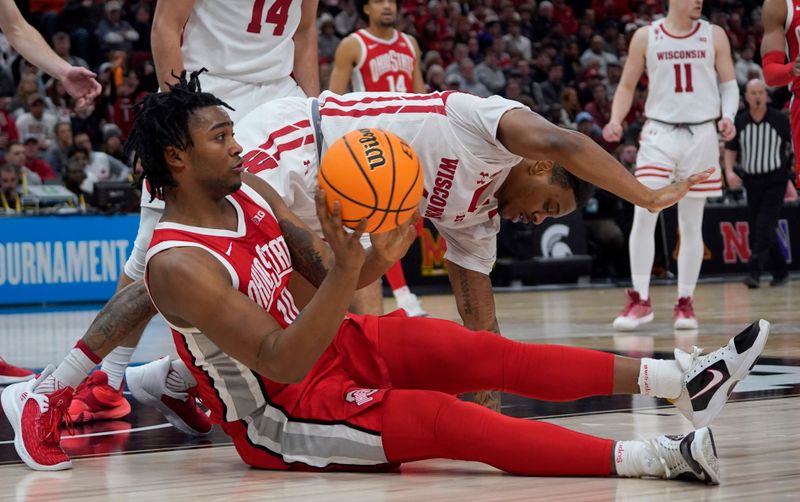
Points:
[(56, 416), (684, 307), (669, 455), (633, 300)]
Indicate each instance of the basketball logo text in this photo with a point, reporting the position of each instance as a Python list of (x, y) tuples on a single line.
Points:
[(372, 150)]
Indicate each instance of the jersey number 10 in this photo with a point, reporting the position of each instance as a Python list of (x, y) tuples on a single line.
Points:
[(277, 14), (687, 68)]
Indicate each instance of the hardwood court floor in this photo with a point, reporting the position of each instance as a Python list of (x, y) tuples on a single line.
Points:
[(758, 433)]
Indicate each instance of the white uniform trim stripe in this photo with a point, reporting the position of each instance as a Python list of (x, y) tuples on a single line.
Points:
[(356, 81), (240, 228), (216, 380), (257, 198), (789, 18), (330, 443)]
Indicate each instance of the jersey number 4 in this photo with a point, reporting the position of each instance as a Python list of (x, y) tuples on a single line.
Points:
[(277, 14), (687, 68)]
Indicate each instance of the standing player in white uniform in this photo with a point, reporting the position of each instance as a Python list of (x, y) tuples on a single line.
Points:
[(252, 48), (380, 58), (691, 78)]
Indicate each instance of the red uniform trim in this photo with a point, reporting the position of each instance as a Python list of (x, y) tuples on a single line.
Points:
[(371, 112)]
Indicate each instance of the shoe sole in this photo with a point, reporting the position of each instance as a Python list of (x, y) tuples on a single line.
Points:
[(9, 403), (704, 451), (685, 324), (630, 326), (8, 380), (703, 418), (134, 379)]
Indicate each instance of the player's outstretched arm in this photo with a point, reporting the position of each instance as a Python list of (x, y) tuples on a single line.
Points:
[(474, 298), (347, 55), (313, 258), (623, 97), (165, 38), (528, 135), (78, 82), (306, 50)]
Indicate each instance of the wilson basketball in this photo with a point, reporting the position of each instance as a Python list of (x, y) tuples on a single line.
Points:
[(374, 175)]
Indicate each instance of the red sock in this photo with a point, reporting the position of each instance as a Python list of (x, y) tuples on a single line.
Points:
[(420, 425), (396, 277), (433, 354)]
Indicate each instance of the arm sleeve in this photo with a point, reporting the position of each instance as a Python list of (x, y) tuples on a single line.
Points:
[(776, 72)]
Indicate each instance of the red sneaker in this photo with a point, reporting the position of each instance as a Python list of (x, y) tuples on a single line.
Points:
[(635, 313), (96, 400), (36, 419), (147, 384), (684, 314), (12, 374)]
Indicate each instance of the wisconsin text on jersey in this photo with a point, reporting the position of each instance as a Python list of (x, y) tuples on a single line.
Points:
[(684, 54)]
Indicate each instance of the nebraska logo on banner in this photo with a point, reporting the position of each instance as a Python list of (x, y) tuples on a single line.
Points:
[(735, 241)]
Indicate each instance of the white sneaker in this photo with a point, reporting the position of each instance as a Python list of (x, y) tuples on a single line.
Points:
[(147, 384), (635, 313), (692, 456), (411, 304), (709, 380)]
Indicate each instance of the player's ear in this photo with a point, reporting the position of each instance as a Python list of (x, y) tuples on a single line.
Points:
[(174, 158), (540, 167)]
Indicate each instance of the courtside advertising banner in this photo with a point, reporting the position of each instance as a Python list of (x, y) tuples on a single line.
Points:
[(55, 259)]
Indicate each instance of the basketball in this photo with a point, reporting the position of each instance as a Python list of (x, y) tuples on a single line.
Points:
[(374, 175)]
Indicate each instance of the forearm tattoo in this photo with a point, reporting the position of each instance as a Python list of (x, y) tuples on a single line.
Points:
[(305, 258), (128, 309)]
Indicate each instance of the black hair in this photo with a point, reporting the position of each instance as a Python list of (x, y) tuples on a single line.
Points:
[(581, 189), (360, 4), (72, 150), (162, 120)]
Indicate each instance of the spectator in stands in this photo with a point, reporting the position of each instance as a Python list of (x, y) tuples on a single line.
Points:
[(554, 85), (114, 33), (37, 122), (613, 76), (345, 20), (563, 14), (435, 78), (73, 179), (101, 166), (460, 51), (600, 106), (58, 101), (746, 69), (10, 189), (570, 107), (452, 83), (15, 157), (544, 20), (586, 125), (34, 162), (143, 24), (327, 40), (8, 126), (515, 40), (489, 74), (469, 82), (112, 142), (56, 156), (596, 55), (523, 68), (122, 101), (28, 85), (62, 45)]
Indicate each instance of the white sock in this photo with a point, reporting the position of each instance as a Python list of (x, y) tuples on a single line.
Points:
[(641, 245), (690, 255), (179, 378), (660, 378), (401, 292), (115, 363), (634, 459), (70, 373)]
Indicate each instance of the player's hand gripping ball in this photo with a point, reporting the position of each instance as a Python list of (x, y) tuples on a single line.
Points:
[(374, 175)]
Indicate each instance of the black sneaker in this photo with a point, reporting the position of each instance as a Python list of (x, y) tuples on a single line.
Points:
[(751, 282), (692, 457), (779, 280)]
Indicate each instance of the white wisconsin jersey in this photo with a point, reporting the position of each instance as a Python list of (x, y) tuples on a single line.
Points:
[(683, 85), (245, 40), (454, 136)]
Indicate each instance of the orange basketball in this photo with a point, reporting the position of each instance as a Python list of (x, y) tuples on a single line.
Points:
[(374, 175)]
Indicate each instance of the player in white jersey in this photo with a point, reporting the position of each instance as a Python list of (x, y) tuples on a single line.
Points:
[(252, 49), (691, 79), (483, 158)]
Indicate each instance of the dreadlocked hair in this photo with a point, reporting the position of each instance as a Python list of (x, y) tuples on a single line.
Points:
[(162, 120)]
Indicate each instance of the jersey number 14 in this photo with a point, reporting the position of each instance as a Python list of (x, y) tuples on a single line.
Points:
[(277, 14), (397, 84)]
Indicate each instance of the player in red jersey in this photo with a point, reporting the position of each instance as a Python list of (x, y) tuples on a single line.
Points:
[(316, 392), (781, 38), (379, 59)]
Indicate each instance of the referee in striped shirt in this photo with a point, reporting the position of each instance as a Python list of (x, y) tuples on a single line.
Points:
[(763, 142)]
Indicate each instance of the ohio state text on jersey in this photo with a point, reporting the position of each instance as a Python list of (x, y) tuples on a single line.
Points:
[(385, 65)]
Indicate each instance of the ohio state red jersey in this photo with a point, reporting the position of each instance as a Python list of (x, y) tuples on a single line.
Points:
[(792, 31), (385, 65)]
